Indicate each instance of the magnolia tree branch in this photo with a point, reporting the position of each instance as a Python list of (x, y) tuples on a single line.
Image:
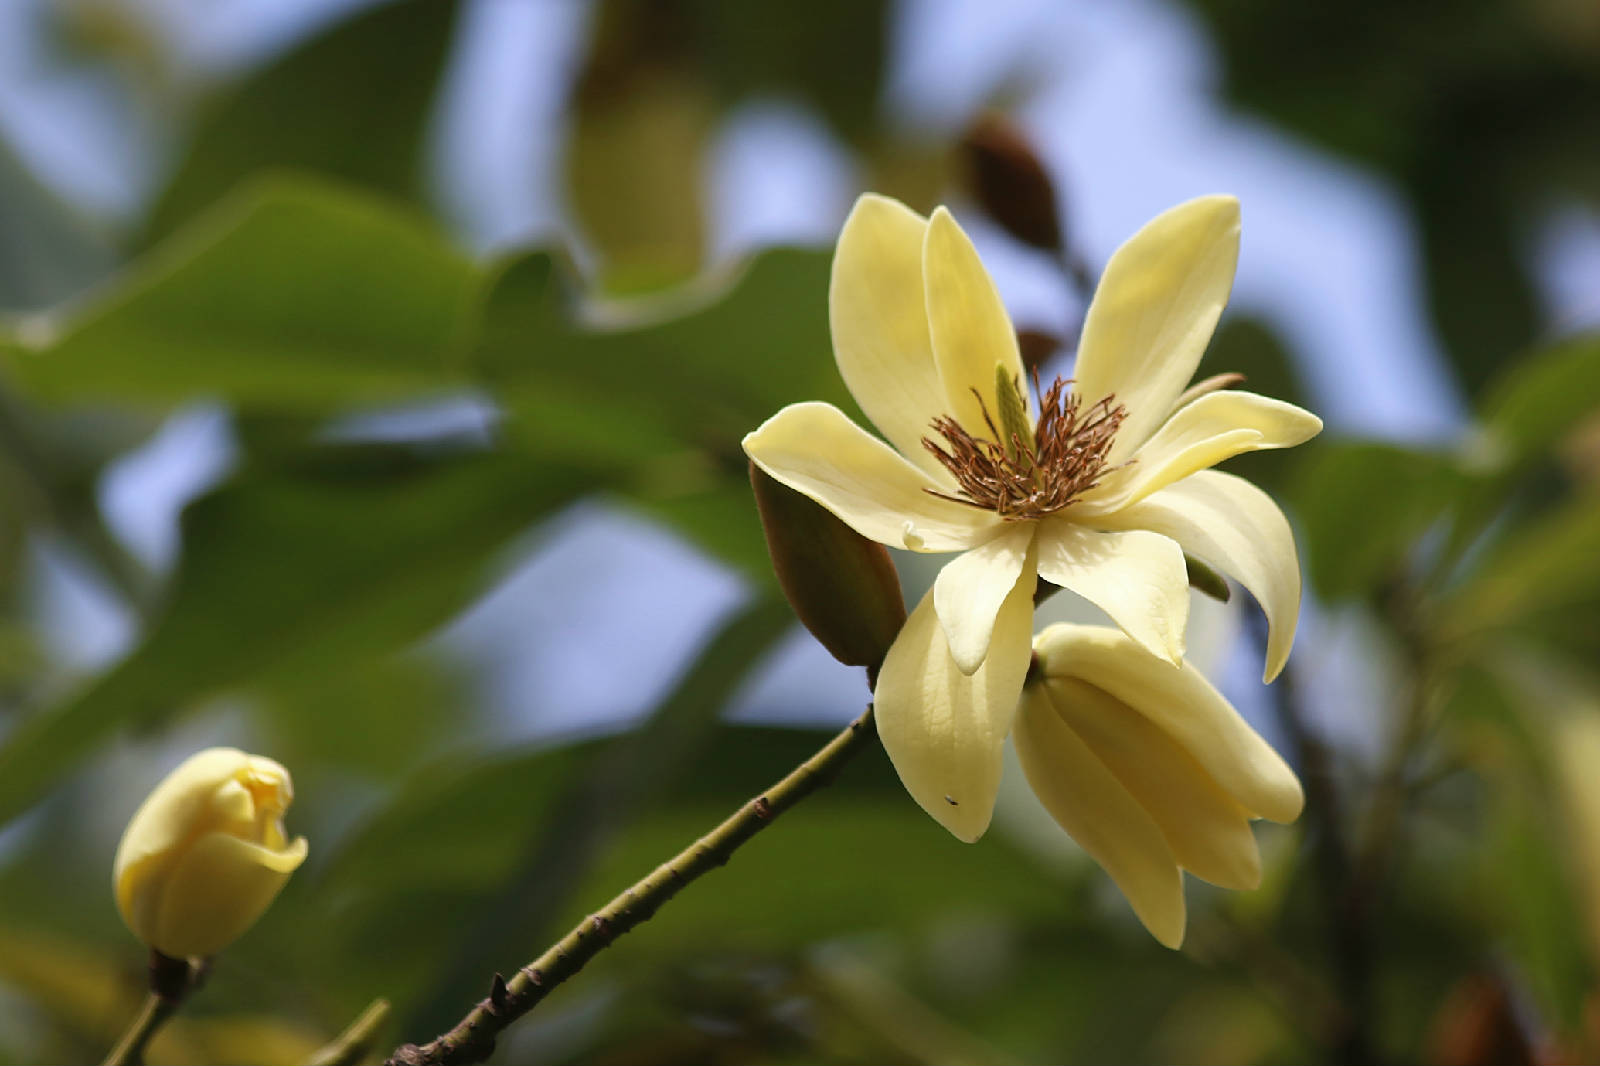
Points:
[(472, 1039)]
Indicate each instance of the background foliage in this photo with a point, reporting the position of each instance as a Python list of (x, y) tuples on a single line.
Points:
[(1439, 901)]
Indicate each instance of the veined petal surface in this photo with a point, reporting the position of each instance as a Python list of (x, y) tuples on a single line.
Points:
[(1228, 523), (815, 449), (1154, 311), (1086, 799), (1183, 704), (969, 590), (968, 325), (879, 320), (1208, 832), (1137, 577), (944, 730), (1214, 427)]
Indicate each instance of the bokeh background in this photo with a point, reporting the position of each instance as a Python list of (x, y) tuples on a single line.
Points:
[(371, 382)]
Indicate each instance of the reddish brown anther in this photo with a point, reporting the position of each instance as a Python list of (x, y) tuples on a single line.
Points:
[(1065, 459)]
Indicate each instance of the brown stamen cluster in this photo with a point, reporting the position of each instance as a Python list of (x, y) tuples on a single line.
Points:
[(1031, 478)]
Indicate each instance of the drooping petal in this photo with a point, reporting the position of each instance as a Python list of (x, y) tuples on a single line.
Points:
[(969, 590), (1088, 801), (1135, 576), (1206, 829), (1228, 523), (815, 449), (1153, 313), (217, 890), (968, 324), (1183, 704), (879, 318), (945, 731), (1215, 427)]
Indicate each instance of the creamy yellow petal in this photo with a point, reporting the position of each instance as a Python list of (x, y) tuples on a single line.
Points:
[(968, 325), (879, 318), (1135, 576), (1215, 427), (1183, 704), (185, 797), (1086, 799), (969, 590), (1153, 313), (944, 730), (1229, 524), (217, 890), (815, 449), (1206, 829)]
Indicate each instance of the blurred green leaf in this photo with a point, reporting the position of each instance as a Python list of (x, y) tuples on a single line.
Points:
[(377, 716), (620, 780), (858, 856), (1531, 894), (294, 295), (351, 103), (669, 383), (1544, 565), (1544, 396), (339, 554), (1362, 506), (49, 253), (708, 361)]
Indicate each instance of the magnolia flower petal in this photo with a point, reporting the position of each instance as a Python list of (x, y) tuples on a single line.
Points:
[(185, 797), (944, 730), (1153, 313), (1214, 427), (1086, 799), (1183, 704), (1229, 524), (970, 589), (217, 890), (968, 324), (880, 325), (815, 449), (1135, 576), (1206, 829)]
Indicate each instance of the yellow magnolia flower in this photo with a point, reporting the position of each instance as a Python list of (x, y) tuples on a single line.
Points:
[(205, 853), (1150, 770), (1100, 489)]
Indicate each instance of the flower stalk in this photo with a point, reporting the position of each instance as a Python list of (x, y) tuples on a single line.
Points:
[(170, 983), (473, 1038)]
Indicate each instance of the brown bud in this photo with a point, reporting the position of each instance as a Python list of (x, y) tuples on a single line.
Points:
[(841, 585), (1036, 346), (1010, 183)]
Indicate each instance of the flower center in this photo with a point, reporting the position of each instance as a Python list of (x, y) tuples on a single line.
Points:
[(1018, 478)]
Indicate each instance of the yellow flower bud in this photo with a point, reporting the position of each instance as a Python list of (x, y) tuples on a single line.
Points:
[(205, 854)]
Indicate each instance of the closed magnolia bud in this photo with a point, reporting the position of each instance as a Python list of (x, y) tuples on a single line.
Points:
[(841, 585), (205, 853), (1010, 183)]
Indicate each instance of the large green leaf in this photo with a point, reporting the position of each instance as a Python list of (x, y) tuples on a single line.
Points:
[(672, 381), (342, 553), (1362, 506), (294, 295), (353, 103), (1544, 396), (48, 253), (707, 362), (1547, 566)]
